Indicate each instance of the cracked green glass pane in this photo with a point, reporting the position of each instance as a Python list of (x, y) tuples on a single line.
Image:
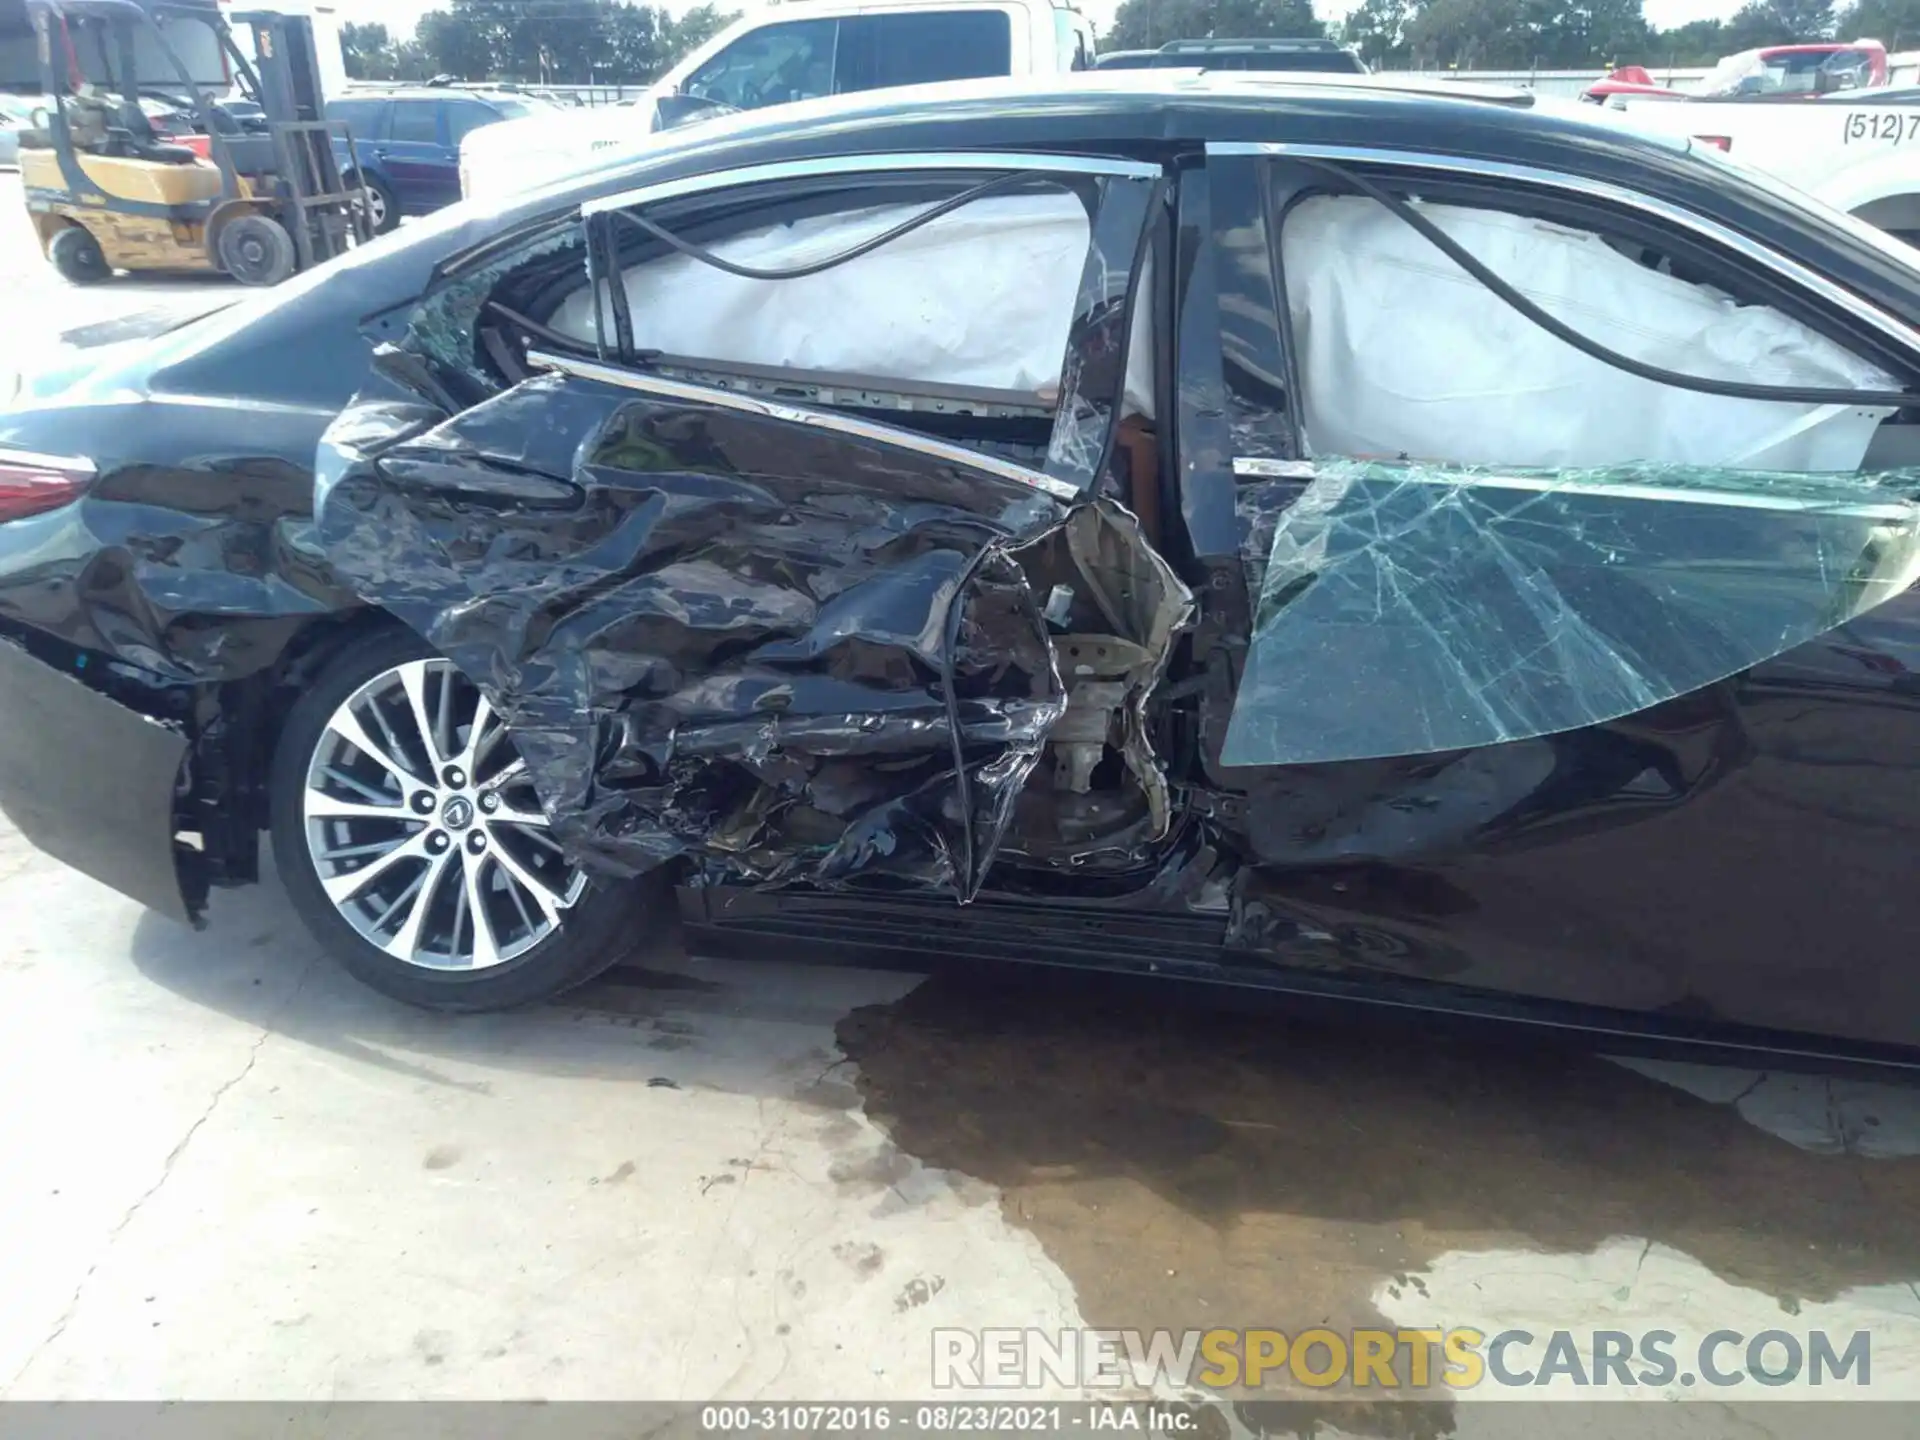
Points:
[(1405, 609)]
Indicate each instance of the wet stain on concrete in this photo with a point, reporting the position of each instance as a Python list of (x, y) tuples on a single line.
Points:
[(874, 1170), (862, 1257), (1190, 1167)]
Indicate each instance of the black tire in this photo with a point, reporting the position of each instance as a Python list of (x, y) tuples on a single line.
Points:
[(386, 204), (609, 920), (77, 256), (256, 250)]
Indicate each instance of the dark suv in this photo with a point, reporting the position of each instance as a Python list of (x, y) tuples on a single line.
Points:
[(407, 143), (1324, 56)]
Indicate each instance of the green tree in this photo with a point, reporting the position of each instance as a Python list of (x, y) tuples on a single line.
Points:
[(1524, 34), (636, 47), (369, 52), (1699, 42), (452, 42), (694, 29), (1562, 34), (1378, 30), (1896, 23), (549, 41), (1468, 34), (1149, 24), (1778, 22)]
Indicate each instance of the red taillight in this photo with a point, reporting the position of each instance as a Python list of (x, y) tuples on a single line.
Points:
[(30, 484), (1719, 142)]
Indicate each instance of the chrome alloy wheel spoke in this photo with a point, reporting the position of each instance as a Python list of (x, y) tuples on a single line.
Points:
[(424, 828)]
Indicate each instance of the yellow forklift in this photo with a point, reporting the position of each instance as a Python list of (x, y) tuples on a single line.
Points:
[(255, 193)]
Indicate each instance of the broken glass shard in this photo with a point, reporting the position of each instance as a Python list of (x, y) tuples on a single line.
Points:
[(1406, 608)]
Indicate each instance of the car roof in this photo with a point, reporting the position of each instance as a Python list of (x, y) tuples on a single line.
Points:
[(1147, 113)]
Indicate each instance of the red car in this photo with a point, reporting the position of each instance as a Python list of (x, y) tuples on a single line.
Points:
[(1772, 72)]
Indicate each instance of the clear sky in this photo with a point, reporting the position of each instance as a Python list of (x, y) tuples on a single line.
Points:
[(400, 16)]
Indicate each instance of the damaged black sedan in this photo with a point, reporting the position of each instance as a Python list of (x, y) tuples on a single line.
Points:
[(1344, 537)]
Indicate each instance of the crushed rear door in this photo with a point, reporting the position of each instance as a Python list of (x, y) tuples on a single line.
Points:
[(719, 630)]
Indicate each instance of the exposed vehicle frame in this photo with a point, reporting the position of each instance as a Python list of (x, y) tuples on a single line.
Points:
[(1579, 876)]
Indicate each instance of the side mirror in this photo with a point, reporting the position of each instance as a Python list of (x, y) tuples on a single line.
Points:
[(41, 118), (672, 111)]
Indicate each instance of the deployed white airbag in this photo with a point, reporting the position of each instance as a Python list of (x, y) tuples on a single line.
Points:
[(982, 296), (1402, 353)]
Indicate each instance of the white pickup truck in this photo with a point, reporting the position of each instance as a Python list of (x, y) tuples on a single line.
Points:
[(778, 54), (1859, 151)]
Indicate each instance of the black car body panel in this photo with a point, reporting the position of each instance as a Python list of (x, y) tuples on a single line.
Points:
[(91, 780), (672, 597)]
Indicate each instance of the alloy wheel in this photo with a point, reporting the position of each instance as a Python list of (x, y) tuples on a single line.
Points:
[(424, 828)]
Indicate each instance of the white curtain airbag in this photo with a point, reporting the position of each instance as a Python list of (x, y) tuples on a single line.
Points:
[(982, 296), (1402, 353)]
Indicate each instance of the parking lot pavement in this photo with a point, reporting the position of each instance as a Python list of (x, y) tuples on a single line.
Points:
[(226, 1171), (230, 1172), (39, 304)]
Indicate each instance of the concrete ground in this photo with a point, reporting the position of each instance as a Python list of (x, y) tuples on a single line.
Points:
[(227, 1171)]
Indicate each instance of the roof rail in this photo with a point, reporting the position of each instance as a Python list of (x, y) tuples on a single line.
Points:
[(1202, 47)]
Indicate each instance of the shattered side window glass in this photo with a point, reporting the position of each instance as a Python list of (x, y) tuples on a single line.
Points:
[(1408, 608), (445, 325)]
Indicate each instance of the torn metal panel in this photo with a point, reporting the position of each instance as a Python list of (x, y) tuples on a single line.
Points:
[(191, 571), (1114, 608), (776, 648), (1146, 606), (1405, 609)]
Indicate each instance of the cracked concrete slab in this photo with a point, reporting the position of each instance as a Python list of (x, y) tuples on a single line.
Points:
[(254, 1179)]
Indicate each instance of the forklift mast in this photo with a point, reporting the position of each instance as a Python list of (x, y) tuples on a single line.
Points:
[(326, 215), (288, 69)]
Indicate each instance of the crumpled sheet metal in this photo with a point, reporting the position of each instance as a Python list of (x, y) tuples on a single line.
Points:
[(1407, 609), (191, 575), (722, 636)]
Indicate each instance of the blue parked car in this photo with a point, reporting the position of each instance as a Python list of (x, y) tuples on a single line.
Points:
[(408, 143)]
